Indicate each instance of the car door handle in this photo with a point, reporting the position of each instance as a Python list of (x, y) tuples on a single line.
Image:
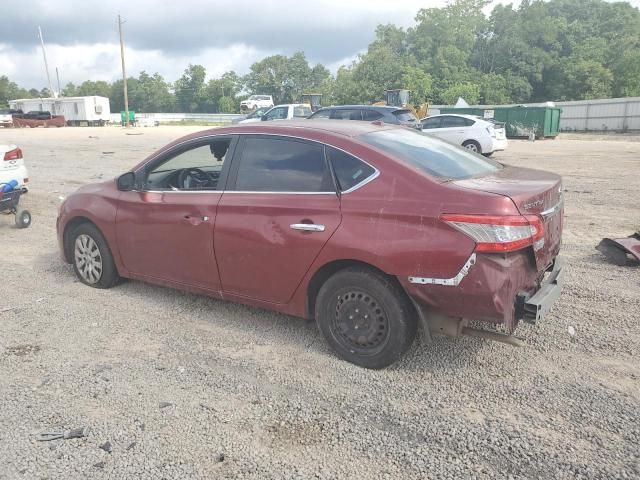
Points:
[(307, 227), (195, 219)]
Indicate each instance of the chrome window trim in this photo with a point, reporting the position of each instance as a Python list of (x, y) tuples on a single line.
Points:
[(450, 282), (362, 183)]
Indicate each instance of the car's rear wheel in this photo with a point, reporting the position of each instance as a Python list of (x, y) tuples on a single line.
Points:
[(472, 145), (92, 259), (366, 317)]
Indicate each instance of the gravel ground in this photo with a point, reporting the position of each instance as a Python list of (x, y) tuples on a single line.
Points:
[(183, 386)]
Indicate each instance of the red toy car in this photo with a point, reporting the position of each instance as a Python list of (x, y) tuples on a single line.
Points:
[(370, 229)]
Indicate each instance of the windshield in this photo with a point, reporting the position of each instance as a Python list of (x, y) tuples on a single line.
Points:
[(302, 111), (434, 157), (4, 111)]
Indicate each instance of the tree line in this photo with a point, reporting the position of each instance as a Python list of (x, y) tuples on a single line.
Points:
[(542, 50)]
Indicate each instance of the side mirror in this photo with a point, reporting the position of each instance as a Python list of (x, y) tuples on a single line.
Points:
[(264, 118), (127, 182)]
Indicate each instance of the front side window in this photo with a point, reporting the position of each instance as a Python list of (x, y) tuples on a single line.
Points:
[(322, 114), (435, 157), (431, 123), (302, 111), (405, 116), (196, 168), (349, 170), (272, 164)]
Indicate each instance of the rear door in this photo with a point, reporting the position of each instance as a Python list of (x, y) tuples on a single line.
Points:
[(453, 129), (278, 211)]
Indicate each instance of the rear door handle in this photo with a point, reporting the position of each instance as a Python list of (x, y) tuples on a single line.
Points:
[(307, 227)]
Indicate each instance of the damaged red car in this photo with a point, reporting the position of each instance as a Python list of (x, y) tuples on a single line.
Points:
[(370, 229)]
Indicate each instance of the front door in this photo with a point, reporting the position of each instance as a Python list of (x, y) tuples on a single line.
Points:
[(279, 210), (165, 228)]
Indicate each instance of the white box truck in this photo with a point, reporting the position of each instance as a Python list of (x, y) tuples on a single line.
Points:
[(77, 111)]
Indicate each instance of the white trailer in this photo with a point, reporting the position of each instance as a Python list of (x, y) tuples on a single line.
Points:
[(78, 111)]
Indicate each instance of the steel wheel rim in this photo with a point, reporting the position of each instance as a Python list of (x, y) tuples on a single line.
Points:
[(359, 323), (472, 147), (26, 219), (88, 259)]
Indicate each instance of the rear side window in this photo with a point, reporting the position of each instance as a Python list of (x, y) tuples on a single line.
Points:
[(302, 111), (349, 170), (456, 122), (434, 157), (405, 116), (371, 115), (273, 164), (345, 114)]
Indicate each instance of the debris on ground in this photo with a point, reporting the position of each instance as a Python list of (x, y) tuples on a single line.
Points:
[(106, 446), (65, 435), (165, 404), (621, 251)]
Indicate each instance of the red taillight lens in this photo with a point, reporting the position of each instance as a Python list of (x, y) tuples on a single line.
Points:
[(497, 233), (15, 154)]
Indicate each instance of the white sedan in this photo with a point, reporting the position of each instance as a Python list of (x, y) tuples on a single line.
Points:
[(283, 112), (477, 134), (12, 167)]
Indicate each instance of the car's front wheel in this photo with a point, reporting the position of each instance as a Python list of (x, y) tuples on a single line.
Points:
[(92, 259), (366, 317)]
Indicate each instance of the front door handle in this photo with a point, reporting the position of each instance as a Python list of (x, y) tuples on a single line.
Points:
[(195, 220), (307, 227)]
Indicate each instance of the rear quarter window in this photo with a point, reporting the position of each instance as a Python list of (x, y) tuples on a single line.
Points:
[(405, 116), (348, 169), (434, 157)]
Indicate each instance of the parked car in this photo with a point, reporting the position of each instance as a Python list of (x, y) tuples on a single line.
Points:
[(255, 114), (256, 101), (368, 113), (12, 167), (370, 229), (6, 119), (479, 135), (282, 112)]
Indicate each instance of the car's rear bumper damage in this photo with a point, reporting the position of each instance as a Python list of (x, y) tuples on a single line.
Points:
[(500, 289)]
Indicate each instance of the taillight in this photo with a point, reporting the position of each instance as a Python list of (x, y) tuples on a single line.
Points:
[(497, 233), (15, 154)]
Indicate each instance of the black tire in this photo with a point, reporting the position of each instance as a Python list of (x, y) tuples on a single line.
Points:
[(23, 218), (361, 298), (472, 145), (104, 277)]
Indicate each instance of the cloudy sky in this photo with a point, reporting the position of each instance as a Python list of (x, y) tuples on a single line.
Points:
[(165, 36)]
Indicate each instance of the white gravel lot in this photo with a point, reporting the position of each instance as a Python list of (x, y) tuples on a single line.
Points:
[(184, 386)]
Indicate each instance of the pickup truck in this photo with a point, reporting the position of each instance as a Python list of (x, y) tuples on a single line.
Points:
[(6, 119)]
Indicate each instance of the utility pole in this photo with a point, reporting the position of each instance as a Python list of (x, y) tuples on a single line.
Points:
[(46, 65), (58, 77), (124, 75)]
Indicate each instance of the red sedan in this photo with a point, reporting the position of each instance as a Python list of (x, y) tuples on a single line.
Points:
[(369, 229)]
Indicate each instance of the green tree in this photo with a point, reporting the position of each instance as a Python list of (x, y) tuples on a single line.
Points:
[(470, 92), (189, 89), (10, 91)]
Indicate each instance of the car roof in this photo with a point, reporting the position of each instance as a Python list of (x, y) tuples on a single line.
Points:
[(386, 108), (291, 105), (463, 115)]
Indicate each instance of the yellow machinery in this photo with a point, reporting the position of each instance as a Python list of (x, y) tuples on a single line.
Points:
[(400, 98), (314, 100)]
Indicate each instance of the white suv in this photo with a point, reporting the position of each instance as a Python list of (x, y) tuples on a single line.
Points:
[(481, 135), (283, 112), (12, 166), (256, 101)]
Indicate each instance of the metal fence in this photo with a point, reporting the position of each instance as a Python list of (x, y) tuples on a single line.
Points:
[(602, 115), (224, 118)]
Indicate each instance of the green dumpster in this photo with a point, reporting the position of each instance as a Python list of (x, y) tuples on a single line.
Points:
[(523, 121), (132, 117)]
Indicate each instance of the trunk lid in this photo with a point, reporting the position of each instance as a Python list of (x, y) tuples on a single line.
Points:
[(534, 192)]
